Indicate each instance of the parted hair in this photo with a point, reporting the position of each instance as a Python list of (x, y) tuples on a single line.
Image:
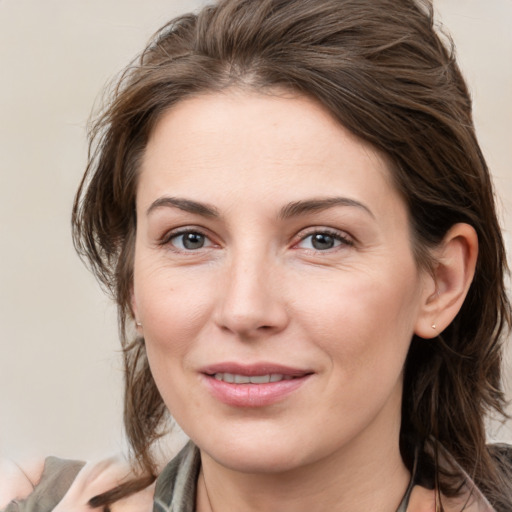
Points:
[(385, 73)]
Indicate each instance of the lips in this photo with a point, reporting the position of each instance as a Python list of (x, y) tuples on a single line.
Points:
[(252, 379), (256, 385)]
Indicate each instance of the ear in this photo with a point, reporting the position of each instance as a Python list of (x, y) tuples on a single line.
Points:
[(445, 289), (135, 312)]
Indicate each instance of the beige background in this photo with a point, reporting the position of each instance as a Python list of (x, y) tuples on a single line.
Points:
[(60, 379)]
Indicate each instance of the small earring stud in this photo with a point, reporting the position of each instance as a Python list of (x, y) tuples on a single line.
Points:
[(434, 326), (138, 324)]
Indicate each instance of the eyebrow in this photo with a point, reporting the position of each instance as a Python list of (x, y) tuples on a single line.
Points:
[(186, 205), (293, 209), (298, 208)]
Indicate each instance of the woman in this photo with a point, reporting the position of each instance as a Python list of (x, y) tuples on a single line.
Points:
[(288, 202)]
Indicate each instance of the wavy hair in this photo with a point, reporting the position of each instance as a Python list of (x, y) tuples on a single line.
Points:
[(382, 70)]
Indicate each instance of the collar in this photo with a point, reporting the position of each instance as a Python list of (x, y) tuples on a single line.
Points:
[(176, 486)]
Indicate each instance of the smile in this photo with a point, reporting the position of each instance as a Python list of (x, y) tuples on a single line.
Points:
[(256, 385), (254, 379)]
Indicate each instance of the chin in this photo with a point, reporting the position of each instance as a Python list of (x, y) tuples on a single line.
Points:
[(257, 459), (262, 451)]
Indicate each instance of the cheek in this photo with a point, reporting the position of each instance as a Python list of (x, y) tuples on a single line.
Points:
[(172, 309), (362, 320), (173, 315)]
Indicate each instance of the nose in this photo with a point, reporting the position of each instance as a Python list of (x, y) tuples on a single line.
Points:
[(251, 302)]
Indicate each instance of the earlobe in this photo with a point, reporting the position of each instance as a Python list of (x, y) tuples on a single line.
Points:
[(454, 267), (135, 312)]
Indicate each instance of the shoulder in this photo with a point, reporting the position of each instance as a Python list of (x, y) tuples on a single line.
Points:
[(64, 485), (18, 481), (43, 482)]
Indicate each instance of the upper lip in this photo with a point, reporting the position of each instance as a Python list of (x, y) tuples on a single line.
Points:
[(250, 370)]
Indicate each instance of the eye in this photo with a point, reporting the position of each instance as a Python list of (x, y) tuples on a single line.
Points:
[(323, 241), (189, 241)]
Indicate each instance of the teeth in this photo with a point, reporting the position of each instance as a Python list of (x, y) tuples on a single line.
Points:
[(253, 379), (260, 379)]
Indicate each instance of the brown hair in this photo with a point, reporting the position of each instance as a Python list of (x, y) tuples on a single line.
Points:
[(384, 73)]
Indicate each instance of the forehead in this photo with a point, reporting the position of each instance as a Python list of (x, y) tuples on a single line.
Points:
[(250, 145)]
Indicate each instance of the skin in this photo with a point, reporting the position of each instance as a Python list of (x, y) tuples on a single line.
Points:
[(260, 290)]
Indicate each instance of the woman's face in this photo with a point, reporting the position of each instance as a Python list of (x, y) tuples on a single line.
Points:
[(274, 280)]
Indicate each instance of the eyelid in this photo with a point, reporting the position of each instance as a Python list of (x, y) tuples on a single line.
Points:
[(339, 235), (169, 235), (342, 236)]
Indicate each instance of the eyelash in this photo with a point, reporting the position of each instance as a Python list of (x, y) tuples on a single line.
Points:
[(167, 239), (336, 236), (343, 239)]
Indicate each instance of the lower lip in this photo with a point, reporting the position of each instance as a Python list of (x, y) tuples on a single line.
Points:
[(253, 395)]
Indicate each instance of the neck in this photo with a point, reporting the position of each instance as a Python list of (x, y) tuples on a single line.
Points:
[(366, 476)]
